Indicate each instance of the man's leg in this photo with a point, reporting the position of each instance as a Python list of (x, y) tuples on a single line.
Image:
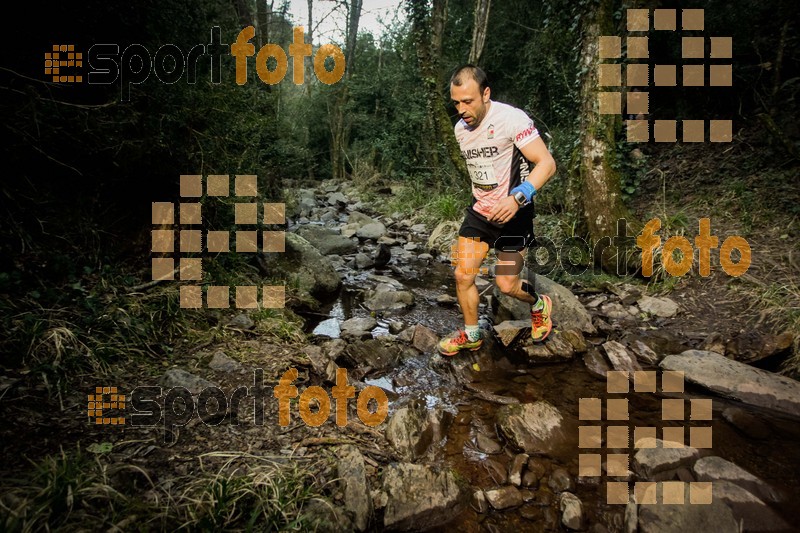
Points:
[(470, 254), (509, 266)]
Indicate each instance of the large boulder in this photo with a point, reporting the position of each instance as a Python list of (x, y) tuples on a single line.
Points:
[(535, 428), (412, 430), (661, 517), (353, 477), (737, 380), (653, 458), (568, 311), (420, 498), (385, 298), (303, 265), (327, 241), (718, 469)]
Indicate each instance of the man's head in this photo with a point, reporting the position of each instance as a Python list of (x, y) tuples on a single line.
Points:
[(470, 92)]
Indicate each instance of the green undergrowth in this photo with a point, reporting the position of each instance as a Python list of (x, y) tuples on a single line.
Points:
[(80, 491)]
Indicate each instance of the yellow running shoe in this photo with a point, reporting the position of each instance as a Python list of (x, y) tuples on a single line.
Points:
[(540, 320), (456, 342)]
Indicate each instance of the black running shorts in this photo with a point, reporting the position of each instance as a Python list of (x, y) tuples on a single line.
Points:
[(512, 236)]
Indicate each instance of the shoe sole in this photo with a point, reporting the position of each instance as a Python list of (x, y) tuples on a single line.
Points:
[(450, 354)]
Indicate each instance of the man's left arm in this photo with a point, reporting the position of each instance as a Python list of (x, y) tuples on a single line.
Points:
[(537, 153)]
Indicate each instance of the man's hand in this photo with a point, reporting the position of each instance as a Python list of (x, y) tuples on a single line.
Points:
[(504, 210)]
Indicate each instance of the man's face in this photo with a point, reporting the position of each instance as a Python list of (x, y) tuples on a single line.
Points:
[(469, 102)]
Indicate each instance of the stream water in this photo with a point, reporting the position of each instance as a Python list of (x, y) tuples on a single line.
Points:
[(429, 378)]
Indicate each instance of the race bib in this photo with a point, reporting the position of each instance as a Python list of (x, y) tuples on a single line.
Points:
[(482, 174)]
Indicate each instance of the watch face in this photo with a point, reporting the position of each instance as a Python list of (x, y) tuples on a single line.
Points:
[(519, 197)]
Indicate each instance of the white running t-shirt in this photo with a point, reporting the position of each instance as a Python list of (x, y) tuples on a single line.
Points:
[(492, 153)]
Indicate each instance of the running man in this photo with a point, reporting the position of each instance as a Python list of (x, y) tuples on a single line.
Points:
[(499, 143)]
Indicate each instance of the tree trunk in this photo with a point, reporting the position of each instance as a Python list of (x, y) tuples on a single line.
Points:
[(597, 190), (479, 26), (340, 127), (427, 33)]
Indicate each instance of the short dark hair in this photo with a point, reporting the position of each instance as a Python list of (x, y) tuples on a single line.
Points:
[(465, 72)]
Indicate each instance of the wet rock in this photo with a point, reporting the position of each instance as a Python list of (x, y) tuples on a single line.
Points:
[(356, 335), (363, 261), (406, 335), (685, 475), (661, 307), (718, 469), (571, 511), (559, 348), (396, 326), (560, 481), (747, 508), (750, 425), (366, 323), (515, 469), (177, 377), (410, 246), (487, 444), (537, 469), (527, 495), (386, 298), (576, 339), (497, 472), (412, 430), (381, 256), (620, 358), (372, 353), (531, 512), (662, 342), (372, 230), (737, 380), (596, 363), (509, 330), (327, 241), (352, 474), (529, 479), (647, 462), (425, 257), (658, 518), (479, 502), (313, 272), (424, 339), (419, 495), (644, 353), (532, 427), (504, 497), (222, 363)]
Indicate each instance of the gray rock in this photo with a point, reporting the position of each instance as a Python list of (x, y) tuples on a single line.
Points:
[(327, 241), (360, 219), (372, 353), (737, 380), (620, 358), (576, 339), (487, 444), (424, 339), (750, 425), (352, 475), (322, 364), (631, 519), (559, 347), (532, 427), (419, 495), (337, 198), (386, 298), (414, 429), (446, 300), (418, 228), (425, 257), (396, 326), (661, 307), (515, 468), (303, 264), (242, 321), (644, 353), (560, 481), (571, 511), (373, 230), (504, 497), (222, 363), (479, 502), (596, 364), (747, 508), (718, 469), (658, 518), (509, 330), (366, 323), (363, 261), (568, 312), (647, 462), (177, 377), (614, 311)]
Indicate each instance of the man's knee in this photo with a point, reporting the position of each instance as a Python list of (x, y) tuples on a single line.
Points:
[(465, 275)]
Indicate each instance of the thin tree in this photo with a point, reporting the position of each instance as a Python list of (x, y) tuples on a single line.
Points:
[(481, 22)]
